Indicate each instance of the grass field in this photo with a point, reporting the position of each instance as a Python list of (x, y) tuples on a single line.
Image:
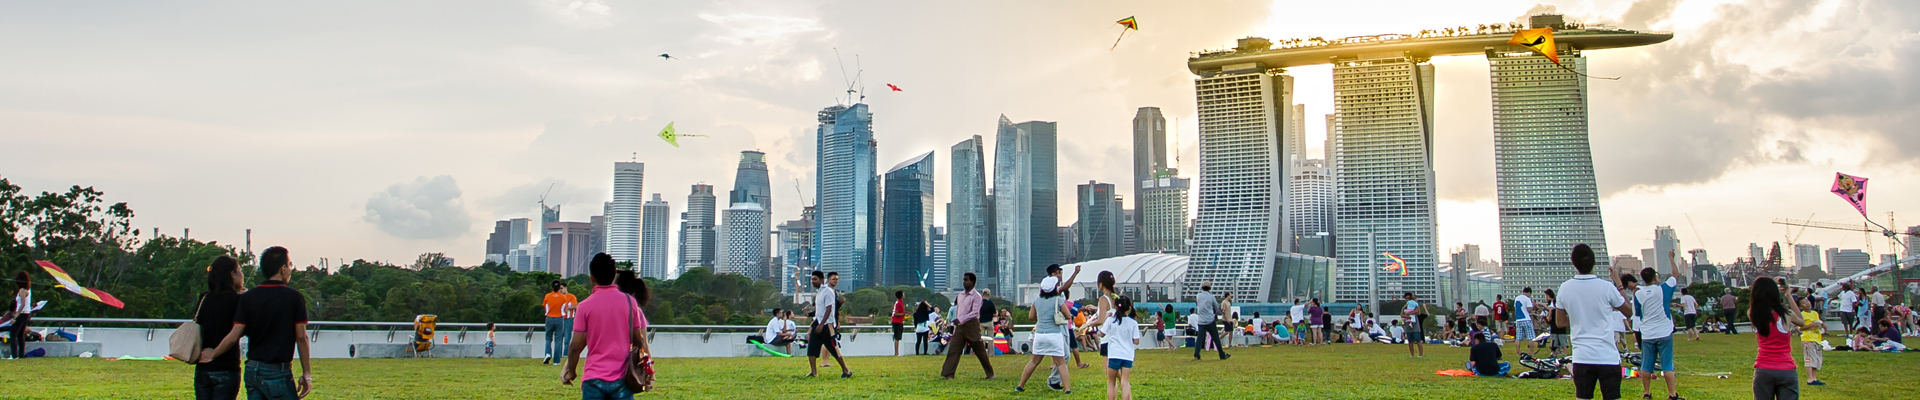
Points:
[(1363, 371)]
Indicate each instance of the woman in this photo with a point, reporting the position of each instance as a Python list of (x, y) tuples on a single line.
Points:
[(1105, 282), (219, 379), (1048, 338), (920, 327), (1356, 322), (635, 287), (22, 314), (1774, 376), (1168, 319)]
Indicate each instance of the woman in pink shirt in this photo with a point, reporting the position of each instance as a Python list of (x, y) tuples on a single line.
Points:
[(610, 323), (1774, 374)]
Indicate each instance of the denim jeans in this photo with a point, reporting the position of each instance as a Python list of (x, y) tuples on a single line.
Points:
[(556, 339), (270, 382), (595, 389), (566, 338), (216, 385)]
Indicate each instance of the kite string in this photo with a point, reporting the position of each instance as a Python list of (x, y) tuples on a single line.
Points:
[(1116, 41)]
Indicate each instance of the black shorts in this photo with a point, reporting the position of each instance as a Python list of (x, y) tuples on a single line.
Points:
[(818, 339), (1691, 319), (898, 330), (1416, 336), (1585, 375)]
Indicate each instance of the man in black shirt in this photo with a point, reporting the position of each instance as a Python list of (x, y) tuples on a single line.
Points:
[(274, 318), (1484, 358)]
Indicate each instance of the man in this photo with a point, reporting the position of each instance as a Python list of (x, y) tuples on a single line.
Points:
[(1652, 303), (557, 306), (1206, 311), (1259, 328), (780, 331), (273, 317), (610, 325), (1690, 307), (1499, 316), (1483, 315), (1585, 304), (821, 330), (1484, 358), (1727, 306), (1416, 339), (1523, 317), (899, 319), (966, 330), (1297, 315)]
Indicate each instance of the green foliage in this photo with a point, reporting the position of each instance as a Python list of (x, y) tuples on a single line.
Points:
[(867, 300)]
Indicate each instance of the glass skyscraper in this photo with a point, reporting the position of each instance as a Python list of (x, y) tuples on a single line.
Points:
[(908, 245), (969, 231), (849, 197), (1149, 154), (750, 181), (1099, 221), (623, 223), (1543, 166), (653, 237), (1043, 139), (1241, 226), (1012, 206), (1383, 176), (698, 241)]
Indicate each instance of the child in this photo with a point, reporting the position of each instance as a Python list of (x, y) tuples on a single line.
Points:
[(1811, 353), (489, 340), (1122, 337)]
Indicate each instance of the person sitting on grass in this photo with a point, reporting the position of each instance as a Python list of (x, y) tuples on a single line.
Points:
[(1888, 340), (1484, 358), (1377, 335)]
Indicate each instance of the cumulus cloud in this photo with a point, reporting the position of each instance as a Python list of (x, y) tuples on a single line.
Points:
[(427, 208)]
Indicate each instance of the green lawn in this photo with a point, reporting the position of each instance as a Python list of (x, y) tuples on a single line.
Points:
[(1366, 371)]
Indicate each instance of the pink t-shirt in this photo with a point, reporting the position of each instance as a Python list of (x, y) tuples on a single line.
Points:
[(608, 326)]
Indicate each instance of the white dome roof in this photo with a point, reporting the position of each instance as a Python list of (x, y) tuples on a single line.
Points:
[(1133, 269)]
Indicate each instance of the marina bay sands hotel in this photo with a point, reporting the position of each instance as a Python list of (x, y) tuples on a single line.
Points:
[(1381, 148)]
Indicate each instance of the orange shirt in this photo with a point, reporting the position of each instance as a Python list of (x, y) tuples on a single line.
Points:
[(557, 302)]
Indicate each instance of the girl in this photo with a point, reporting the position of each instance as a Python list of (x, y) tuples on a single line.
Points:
[(1774, 375), (1122, 338), (920, 327), (1105, 281)]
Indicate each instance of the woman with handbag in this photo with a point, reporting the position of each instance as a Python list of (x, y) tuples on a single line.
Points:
[(22, 314), (219, 379), (610, 324)]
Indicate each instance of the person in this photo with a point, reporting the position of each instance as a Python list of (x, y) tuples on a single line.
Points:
[(1259, 328), (1620, 326), (1500, 316), (1230, 326), (1167, 319), (1559, 331), (966, 331), (219, 379), (1812, 354), (899, 319), (1376, 334), (1122, 335), (1049, 337), (1207, 309), (1652, 304), (820, 332), (1297, 315), (1848, 300), (935, 327), (1586, 304), (1727, 308), (1460, 319), (1356, 320), (1484, 358), (1690, 308), (273, 318), (1415, 335), (1314, 315), (1523, 316), (1483, 314), (22, 314), (1888, 339), (555, 306), (610, 324), (1773, 370), (1879, 301), (1105, 282), (920, 328), (1193, 327), (776, 333), (489, 340)]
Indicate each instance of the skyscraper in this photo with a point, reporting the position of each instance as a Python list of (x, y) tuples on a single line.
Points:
[(1543, 166), (746, 237), (750, 181), (1129, 227), (542, 254), (567, 245), (500, 241), (519, 233), (623, 223), (1383, 176), (1012, 205), (797, 252), (1099, 222), (909, 222), (1310, 198), (1297, 134), (1666, 248), (938, 275), (698, 241), (1043, 150), (1163, 221), (1806, 255), (597, 239), (1843, 263), (653, 237), (846, 184), (1149, 150), (968, 231), (1242, 216)]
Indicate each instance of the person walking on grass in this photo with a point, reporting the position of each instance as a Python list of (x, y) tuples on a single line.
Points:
[(1810, 331), (489, 340), (1049, 336), (555, 306), (966, 331), (920, 327), (1167, 320), (1500, 316), (1208, 310), (1727, 308), (1652, 303), (1315, 314), (22, 312), (1774, 375), (1587, 304), (823, 327), (1411, 313), (219, 379), (1690, 308), (899, 319), (1523, 310), (273, 318), (610, 324), (1122, 335)]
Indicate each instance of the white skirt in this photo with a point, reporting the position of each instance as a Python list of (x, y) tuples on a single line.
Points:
[(1050, 344)]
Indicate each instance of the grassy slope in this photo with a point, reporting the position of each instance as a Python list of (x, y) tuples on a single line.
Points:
[(1337, 372)]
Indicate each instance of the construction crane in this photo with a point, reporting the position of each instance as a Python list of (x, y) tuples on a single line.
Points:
[(1867, 227), (1793, 241)]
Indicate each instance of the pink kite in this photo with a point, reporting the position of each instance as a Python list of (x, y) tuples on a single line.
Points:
[(1852, 188)]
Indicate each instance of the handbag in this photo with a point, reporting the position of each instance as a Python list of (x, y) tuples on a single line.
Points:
[(639, 376), (184, 343)]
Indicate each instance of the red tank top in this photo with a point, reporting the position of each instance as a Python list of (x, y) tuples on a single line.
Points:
[(1775, 353)]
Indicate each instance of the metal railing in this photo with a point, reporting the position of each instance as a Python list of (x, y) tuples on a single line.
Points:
[(393, 328)]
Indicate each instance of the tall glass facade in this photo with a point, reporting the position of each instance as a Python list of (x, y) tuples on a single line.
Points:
[(698, 241), (1543, 166), (1383, 176), (969, 230), (909, 222), (623, 224), (1012, 206), (1099, 221), (653, 237), (1043, 140), (1242, 216), (849, 197)]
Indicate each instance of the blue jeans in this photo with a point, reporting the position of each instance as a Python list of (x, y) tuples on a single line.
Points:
[(556, 339), (270, 382), (216, 385), (1656, 354), (595, 389), (566, 338)]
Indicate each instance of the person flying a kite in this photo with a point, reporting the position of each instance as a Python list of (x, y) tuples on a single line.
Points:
[(672, 137), (1127, 24), (1395, 263), (1540, 40)]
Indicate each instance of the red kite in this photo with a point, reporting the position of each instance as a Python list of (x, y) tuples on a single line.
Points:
[(895, 88), (67, 282)]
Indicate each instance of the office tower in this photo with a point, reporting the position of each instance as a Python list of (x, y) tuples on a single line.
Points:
[(1068, 243), (1242, 215), (968, 232), (698, 239), (1666, 249), (1129, 222), (567, 245), (1012, 206), (849, 205), (1806, 255), (1149, 150), (1296, 131), (1913, 242), (938, 274), (623, 220), (520, 231), (1163, 220), (521, 257), (541, 254), (1043, 150), (1310, 200), (908, 233), (750, 181), (746, 233), (1543, 166), (1326, 147), (597, 238), (1383, 175), (1843, 263), (797, 253), (653, 237), (1099, 222), (497, 242)]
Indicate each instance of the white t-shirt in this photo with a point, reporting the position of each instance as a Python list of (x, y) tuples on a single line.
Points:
[(1652, 319), (1375, 330), (1847, 300), (1259, 325), (1522, 308), (774, 327), (1590, 302), (822, 301), (1119, 338), (1399, 334), (1481, 310), (1689, 304), (1879, 299), (1298, 313), (1193, 321)]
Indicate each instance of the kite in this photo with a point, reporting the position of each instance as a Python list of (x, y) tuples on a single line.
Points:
[(1395, 263), (67, 282), (1127, 24), (1852, 188), (673, 138), (895, 88), (665, 56), (1540, 40)]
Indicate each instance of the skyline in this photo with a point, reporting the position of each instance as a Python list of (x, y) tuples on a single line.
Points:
[(355, 152)]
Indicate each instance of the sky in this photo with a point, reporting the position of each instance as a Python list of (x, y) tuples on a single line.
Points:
[(382, 130)]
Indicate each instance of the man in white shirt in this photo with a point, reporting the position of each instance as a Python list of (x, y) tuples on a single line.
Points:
[(1690, 312), (1848, 299), (1296, 315), (1481, 313), (779, 331), (1652, 305), (824, 326), (1260, 328), (1523, 317), (1586, 303)]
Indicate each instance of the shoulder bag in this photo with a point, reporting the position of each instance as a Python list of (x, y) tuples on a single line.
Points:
[(639, 376), (184, 343)]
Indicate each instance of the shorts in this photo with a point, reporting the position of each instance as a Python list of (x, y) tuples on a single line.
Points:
[(1050, 344), (489, 347), (1161, 335), (1585, 375), (1416, 336), (1691, 320), (1815, 356), (1523, 329), (1560, 340), (1073, 341), (818, 339), (898, 330), (1656, 354), (1118, 364)]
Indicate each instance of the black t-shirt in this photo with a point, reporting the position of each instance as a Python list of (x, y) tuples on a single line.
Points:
[(987, 311), (216, 320), (268, 313), (1486, 358)]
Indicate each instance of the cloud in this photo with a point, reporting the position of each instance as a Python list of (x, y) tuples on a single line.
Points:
[(520, 201), (583, 13), (427, 208)]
